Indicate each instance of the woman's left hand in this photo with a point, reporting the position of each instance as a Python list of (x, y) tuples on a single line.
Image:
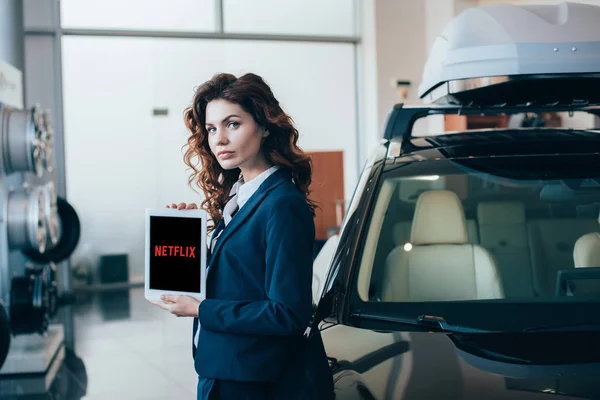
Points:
[(182, 306)]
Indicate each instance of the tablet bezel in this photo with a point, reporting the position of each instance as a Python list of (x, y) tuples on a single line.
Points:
[(154, 294)]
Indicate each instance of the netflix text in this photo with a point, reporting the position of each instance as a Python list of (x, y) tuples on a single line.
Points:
[(175, 251)]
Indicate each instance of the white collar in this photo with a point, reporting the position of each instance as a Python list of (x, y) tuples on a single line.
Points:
[(245, 190), (242, 191)]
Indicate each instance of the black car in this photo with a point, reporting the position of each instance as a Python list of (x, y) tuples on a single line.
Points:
[(468, 264)]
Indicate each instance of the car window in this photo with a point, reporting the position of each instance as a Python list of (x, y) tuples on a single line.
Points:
[(483, 230)]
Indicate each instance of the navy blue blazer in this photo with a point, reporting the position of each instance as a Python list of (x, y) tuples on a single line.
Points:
[(258, 287)]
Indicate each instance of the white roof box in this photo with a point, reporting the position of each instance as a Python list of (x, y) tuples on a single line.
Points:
[(510, 54)]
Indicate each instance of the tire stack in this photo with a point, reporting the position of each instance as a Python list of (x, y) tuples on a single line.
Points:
[(37, 228)]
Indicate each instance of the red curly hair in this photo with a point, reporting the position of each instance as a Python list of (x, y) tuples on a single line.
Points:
[(256, 98)]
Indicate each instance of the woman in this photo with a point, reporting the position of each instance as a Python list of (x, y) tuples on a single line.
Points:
[(248, 333)]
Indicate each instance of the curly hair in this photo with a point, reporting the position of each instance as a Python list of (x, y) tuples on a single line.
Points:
[(255, 97)]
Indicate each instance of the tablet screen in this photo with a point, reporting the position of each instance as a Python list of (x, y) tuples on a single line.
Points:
[(175, 251)]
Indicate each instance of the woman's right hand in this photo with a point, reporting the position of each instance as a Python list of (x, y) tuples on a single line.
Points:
[(183, 206)]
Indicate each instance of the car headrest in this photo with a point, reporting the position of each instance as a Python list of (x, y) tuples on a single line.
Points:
[(501, 213), (586, 252), (439, 219)]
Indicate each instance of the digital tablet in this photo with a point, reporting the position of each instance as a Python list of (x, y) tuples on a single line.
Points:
[(175, 253)]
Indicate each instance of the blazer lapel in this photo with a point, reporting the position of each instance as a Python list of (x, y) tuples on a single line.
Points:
[(247, 210)]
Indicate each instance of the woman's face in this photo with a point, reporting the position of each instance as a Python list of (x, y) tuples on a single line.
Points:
[(233, 136)]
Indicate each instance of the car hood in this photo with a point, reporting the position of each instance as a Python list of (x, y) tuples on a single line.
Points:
[(381, 365)]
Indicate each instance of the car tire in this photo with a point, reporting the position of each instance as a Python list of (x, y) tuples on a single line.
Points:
[(69, 238), (4, 335)]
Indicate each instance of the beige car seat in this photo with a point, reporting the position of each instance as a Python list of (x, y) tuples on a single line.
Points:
[(441, 265)]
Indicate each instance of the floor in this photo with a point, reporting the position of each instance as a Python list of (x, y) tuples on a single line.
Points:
[(124, 348)]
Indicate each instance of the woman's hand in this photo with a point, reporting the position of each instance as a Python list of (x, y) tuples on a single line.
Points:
[(183, 206), (181, 306)]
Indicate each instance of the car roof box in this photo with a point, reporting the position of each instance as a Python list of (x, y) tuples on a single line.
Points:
[(509, 54)]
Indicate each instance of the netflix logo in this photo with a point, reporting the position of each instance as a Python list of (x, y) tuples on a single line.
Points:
[(175, 251)]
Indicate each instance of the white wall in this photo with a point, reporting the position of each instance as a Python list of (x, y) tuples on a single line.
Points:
[(121, 159), (174, 15), (401, 50), (306, 17), (368, 100)]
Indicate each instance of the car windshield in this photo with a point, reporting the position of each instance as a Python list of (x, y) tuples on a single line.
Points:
[(500, 229)]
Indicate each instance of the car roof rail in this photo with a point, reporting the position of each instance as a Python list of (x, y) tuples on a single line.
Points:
[(401, 119)]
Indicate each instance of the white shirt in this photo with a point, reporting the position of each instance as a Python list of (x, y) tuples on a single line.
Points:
[(241, 191)]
